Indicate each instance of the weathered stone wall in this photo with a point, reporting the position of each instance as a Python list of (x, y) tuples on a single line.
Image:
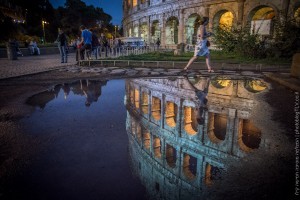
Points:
[(178, 13)]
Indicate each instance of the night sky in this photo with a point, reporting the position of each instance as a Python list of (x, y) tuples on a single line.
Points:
[(111, 7)]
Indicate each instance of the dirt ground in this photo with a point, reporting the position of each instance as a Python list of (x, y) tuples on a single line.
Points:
[(267, 174)]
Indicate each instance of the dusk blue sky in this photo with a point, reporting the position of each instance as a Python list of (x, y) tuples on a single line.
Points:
[(111, 7)]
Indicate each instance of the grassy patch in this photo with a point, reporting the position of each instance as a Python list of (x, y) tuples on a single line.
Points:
[(216, 56)]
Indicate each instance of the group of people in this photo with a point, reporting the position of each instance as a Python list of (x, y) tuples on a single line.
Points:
[(90, 42)]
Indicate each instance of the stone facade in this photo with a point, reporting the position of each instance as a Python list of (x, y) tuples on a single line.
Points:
[(176, 21), (174, 153)]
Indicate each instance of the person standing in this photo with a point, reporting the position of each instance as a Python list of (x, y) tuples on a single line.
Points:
[(86, 41), (158, 43), (62, 45), (201, 48)]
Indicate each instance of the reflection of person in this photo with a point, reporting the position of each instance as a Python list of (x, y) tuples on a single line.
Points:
[(201, 48), (201, 90), (91, 90), (62, 46)]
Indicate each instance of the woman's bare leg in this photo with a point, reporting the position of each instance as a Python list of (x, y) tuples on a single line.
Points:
[(209, 68), (190, 62)]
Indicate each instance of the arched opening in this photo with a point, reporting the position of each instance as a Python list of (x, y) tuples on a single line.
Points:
[(297, 15), (172, 31), (189, 166), (212, 173), (130, 32), (133, 126), (171, 114), (156, 146), (134, 3), (191, 28), (261, 20), (155, 31), (139, 133), (144, 31), (249, 136), (223, 19), (131, 95), (221, 83), (146, 138), (137, 98), (156, 108), (136, 31), (217, 125), (255, 86), (145, 103), (171, 156), (190, 120)]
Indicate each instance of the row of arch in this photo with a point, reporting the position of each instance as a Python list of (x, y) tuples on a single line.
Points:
[(173, 158), (166, 113), (182, 28)]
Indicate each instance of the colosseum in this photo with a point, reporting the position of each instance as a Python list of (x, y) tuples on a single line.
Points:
[(173, 151), (176, 21)]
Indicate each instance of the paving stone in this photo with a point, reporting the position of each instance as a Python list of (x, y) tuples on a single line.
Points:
[(117, 72)]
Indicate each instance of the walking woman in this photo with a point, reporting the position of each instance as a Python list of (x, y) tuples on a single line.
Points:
[(201, 48)]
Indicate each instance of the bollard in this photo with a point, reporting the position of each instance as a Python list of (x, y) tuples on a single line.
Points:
[(11, 51)]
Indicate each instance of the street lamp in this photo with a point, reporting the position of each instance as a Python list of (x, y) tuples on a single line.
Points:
[(43, 25), (116, 30)]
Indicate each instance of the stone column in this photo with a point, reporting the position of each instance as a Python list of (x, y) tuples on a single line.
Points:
[(163, 31), (149, 30), (181, 27), (240, 12)]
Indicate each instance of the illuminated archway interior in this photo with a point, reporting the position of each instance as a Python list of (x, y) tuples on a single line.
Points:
[(156, 108), (171, 155), (157, 146), (145, 103), (217, 125), (146, 138), (226, 20), (192, 26), (189, 166), (172, 31), (190, 121), (171, 114), (249, 137), (137, 98)]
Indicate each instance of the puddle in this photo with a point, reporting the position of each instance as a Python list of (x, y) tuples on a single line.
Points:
[(154, 138)]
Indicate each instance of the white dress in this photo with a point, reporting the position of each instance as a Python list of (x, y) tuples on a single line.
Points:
[(201, 48)]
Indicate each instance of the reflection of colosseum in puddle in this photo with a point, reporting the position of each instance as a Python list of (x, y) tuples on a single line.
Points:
[(172, 151)]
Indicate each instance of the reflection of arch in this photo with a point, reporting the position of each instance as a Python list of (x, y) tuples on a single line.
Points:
[(156, 108), (190, 122), (221, 83), (131, 95), (189, 166), (255, 85), (172, 30), (192, 26), (171, 156), (156, 147), (137, 98), (144, 103), (249, 136), (139, 133), (155, 30), (211, 173), (133, 126), (223, 19), (146, 138), (217, 125), (297, 14), (171, 114)]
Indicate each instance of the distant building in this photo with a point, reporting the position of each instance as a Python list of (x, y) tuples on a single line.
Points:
[(175, 21), (16, 13)]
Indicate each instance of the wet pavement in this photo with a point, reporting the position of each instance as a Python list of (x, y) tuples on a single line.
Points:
[(102, 132)]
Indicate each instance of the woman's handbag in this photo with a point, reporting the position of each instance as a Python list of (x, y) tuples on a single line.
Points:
[(207, 43)]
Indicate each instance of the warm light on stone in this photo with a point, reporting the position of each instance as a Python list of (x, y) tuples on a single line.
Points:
[(145, 103), (171, 114), (190, 122), (156, 108)]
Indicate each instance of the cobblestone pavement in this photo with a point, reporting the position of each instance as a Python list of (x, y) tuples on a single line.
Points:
[(32, 64), (35, 64)]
